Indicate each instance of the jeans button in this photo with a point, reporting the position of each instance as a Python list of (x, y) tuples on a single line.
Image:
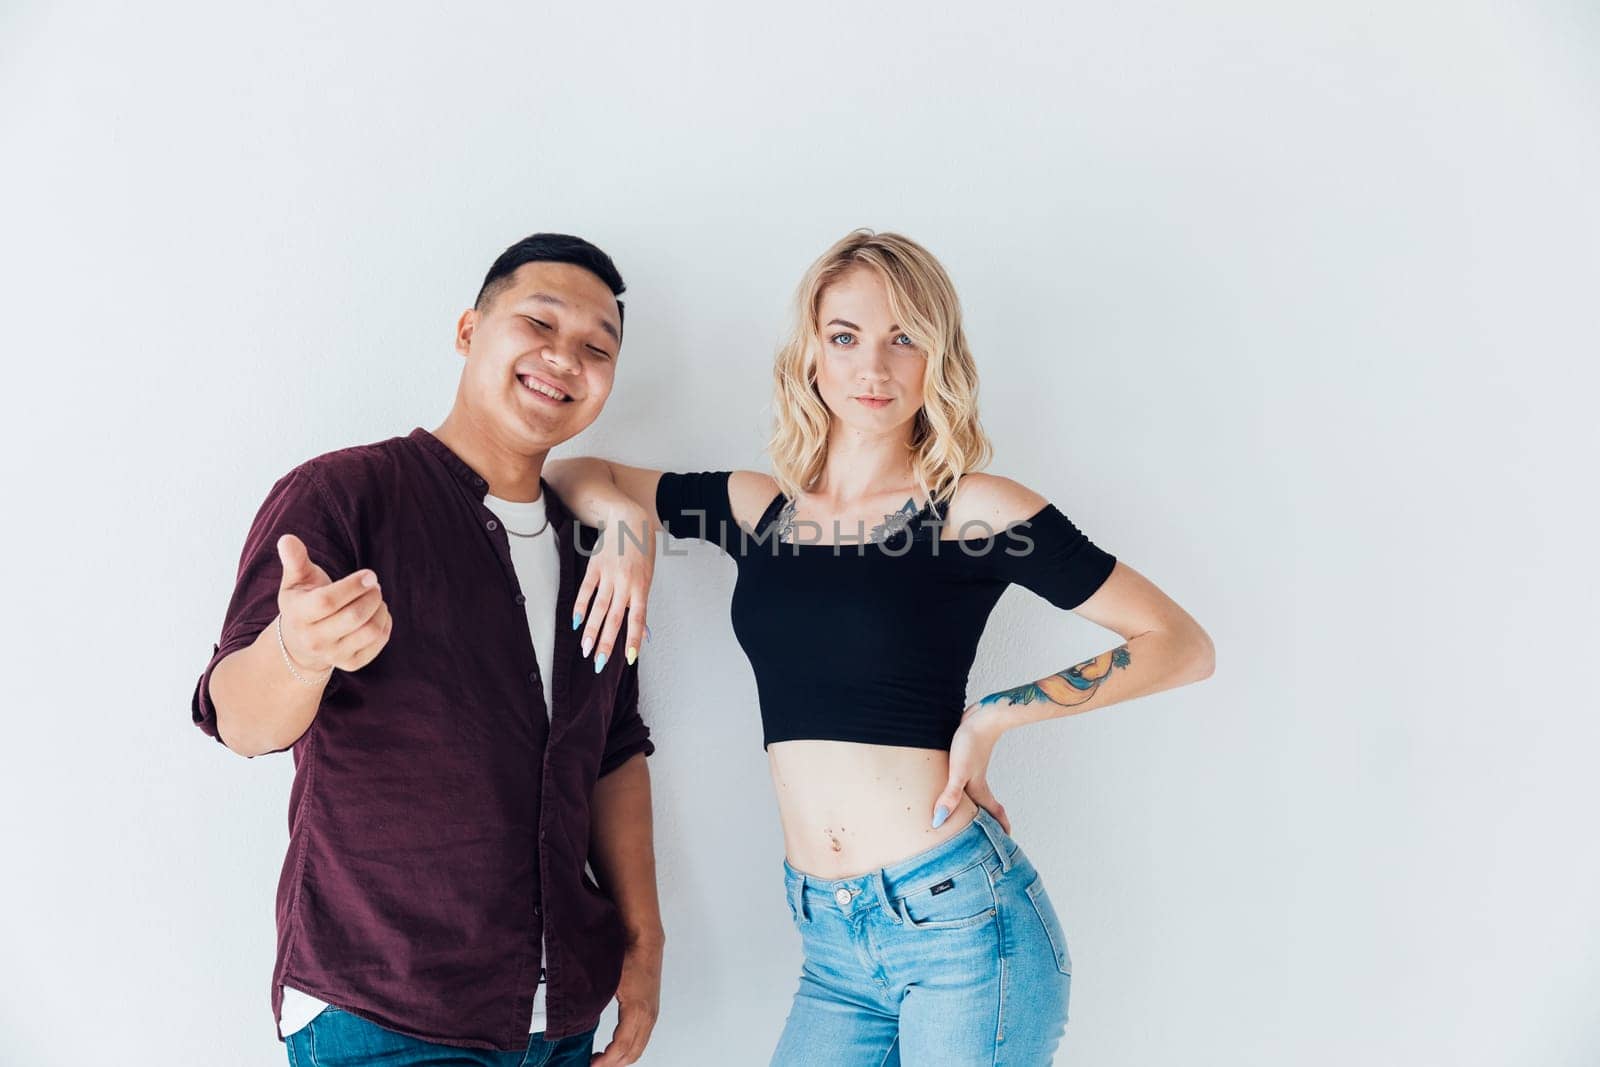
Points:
[(842, 895)]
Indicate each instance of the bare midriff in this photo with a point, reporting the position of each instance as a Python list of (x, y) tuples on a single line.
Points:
[(848, 808)]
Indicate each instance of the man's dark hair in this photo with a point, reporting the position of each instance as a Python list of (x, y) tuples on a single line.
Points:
[(550, 248)]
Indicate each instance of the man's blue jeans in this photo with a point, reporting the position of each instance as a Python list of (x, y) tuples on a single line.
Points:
[(338, 1039), (951, 958)]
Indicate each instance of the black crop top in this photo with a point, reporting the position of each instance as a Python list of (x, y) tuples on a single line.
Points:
[(872, 642)]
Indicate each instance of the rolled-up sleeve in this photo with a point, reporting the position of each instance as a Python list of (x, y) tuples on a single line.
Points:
[(695, 505), (298, 503), (628, 735)]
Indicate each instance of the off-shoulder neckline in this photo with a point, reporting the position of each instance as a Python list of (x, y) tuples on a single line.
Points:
[(769, 516)]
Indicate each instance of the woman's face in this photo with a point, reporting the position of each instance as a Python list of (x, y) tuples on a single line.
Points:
[(869, 371)]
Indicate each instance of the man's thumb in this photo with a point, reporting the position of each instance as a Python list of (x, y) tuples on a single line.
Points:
[(297, 566)]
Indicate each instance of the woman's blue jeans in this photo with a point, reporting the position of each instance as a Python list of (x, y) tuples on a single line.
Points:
[(952, 957)]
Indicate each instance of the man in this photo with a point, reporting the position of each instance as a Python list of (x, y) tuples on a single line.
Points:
[(459, 758)]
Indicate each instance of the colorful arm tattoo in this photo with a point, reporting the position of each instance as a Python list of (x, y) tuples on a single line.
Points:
[(1075, 685)]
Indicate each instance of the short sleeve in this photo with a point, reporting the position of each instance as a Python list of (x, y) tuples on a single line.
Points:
[(696, 506), (298, 503), (1049, 555), (628, 735)]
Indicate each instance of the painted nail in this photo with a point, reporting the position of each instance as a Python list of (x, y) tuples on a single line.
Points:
[(599, 662), (633, 654), (586, 646), (940, 814), (577, 619)]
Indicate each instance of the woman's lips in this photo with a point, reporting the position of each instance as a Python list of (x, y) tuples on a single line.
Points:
[(875, 402)]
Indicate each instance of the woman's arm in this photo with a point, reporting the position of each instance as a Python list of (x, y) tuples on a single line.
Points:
[(1163, 647), (599, 491), (619, 500)]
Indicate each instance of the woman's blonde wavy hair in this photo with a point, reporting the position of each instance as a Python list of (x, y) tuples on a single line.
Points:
[(946, 440)]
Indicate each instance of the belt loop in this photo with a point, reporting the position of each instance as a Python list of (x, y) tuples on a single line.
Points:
[(881, 887), (996, 836), (797, 896)]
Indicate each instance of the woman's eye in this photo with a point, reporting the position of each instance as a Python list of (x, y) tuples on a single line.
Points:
[(904, 339), (841, 338)]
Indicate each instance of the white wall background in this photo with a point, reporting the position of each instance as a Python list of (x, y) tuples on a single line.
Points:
[(1291, 306)]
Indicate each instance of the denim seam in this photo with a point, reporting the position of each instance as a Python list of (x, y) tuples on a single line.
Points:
[(548, 1050), (951, 924), (890, 1050), (1005, 972), (311, 1041), (1050, 938), (289, 1044)]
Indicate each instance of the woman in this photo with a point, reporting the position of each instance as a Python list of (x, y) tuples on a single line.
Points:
[(868, 563)]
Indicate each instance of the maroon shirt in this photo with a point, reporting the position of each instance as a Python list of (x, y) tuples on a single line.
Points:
[(438, 824)]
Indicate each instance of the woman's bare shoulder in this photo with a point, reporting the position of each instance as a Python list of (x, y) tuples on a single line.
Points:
[(994, 500), (749, 493)]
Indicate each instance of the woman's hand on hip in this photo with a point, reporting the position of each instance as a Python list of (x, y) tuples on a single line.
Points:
[(970, 750)]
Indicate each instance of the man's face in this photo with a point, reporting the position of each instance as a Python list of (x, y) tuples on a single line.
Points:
[(541, 356)]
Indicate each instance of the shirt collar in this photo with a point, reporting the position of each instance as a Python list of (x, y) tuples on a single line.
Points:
[(477, 485)]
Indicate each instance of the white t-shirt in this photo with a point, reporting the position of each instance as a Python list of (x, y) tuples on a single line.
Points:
[(538, 570)]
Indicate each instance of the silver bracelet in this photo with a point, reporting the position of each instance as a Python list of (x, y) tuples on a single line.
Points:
[(287, 662)]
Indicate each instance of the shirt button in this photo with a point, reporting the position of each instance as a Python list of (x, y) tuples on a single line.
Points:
[(842, 895), (491, 524), (521, 599), (533, 676)]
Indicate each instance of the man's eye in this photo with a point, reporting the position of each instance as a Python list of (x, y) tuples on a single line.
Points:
[(841, 338), (538, 322), (602, 353)]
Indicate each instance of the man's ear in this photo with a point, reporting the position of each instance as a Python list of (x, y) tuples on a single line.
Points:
[(464, 327)]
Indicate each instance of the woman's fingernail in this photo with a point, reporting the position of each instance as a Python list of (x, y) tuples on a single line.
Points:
[(586, 646), (599, 662), (577, 619), (633, 654), (940, 814)]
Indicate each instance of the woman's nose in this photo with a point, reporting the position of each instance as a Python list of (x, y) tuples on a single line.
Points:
[(875, 368)]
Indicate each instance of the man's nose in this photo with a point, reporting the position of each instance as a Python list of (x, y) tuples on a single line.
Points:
[(557, 357)]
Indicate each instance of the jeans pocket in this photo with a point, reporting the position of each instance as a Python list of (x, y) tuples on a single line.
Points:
[(335, 1038), (1052, 925), (961, 900)]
